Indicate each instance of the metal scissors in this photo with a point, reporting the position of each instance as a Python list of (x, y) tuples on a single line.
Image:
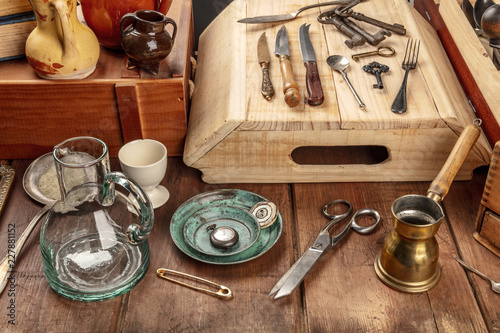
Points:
[(323, 243)]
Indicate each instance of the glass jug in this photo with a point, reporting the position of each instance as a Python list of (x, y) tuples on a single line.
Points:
[(94, 240)]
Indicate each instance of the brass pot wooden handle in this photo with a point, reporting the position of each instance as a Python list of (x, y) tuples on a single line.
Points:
[(441, 184)]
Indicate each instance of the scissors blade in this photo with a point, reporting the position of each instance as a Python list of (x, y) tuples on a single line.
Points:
[(285, 276), (297, 273)]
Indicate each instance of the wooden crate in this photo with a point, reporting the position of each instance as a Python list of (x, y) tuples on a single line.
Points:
[(235, 135), (114, 104)]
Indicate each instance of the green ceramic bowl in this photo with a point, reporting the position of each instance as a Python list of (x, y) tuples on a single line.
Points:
[(198, 228), (232, 198)]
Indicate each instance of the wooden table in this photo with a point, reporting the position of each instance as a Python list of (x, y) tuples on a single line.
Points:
[(341, 294)]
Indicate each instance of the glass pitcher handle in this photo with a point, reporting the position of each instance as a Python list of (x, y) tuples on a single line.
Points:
[(135, 233)]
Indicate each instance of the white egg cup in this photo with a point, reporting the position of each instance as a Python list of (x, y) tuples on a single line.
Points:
[(145, 161)]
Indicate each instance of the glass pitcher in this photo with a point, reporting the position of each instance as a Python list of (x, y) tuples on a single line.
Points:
[(94, 240)]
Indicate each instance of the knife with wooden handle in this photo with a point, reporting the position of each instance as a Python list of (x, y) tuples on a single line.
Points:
[(313, 83), (290, 87), (264, 61)]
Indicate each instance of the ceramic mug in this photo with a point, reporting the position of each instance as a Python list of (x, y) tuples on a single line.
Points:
[(145, 161)]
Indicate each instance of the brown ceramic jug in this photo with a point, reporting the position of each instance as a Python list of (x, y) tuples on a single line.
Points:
[(145, 40), (104, 16)]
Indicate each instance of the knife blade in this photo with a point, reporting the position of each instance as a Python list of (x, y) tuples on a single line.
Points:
[(264, 61), (290, 87), (313, 83), (291, 16)]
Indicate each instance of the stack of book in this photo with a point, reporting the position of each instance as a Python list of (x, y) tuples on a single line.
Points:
[(17, 20)]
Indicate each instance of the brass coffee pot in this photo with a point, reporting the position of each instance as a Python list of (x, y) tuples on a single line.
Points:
[(408, 261)]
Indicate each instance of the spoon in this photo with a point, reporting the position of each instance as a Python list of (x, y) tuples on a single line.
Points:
[(31, 179), (8, 261), (494, 285), (340, 63)]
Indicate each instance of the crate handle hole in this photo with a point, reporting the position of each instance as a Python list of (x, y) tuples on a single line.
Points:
[(340, 155)]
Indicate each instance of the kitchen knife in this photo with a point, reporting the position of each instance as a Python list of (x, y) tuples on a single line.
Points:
[(313, 82), (290, 87), (264, 61), (291, 16)]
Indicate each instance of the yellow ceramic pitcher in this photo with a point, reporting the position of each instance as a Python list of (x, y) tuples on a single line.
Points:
[(61, 47)]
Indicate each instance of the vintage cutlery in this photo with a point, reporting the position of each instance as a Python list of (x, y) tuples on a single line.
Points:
[(290, 87), (313, 82), (495, 286), (323, 243), (409, 62), (267, 88), (340, 63), (9, 260), (291, 16)]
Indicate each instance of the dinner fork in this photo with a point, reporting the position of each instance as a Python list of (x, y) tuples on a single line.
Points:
[(409, 62)]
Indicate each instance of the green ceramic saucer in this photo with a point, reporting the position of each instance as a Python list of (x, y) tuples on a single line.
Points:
[(234, 198), (199, 227)]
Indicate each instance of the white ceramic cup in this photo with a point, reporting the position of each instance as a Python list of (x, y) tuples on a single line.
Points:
[(145, 161)]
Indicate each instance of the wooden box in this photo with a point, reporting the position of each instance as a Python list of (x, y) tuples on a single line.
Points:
[(114, 104), (235, 135), (488, 218)]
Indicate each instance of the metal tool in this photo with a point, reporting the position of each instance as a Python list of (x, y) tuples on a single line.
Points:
[(371, 39), (340, 63), (313, 82), (409, 62), (376, 69), (396, 28), (267, 88), (355, 38), (495, 286), (323, 243), (383, 51), (291, 16), (290, 87), (340, 18), (223, 292)]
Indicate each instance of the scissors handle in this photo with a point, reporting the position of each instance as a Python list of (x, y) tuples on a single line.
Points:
[(352, 224), (335, 218)]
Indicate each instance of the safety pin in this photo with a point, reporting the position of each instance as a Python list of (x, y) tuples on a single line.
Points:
[(224, 292)]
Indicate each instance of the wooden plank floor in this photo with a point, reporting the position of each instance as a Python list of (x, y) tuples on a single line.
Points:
[(341, 294)]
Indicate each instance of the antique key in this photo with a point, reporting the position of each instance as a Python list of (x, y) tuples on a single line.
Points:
[(384, 51), (371, 39), (396, 28), (376, 69)]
